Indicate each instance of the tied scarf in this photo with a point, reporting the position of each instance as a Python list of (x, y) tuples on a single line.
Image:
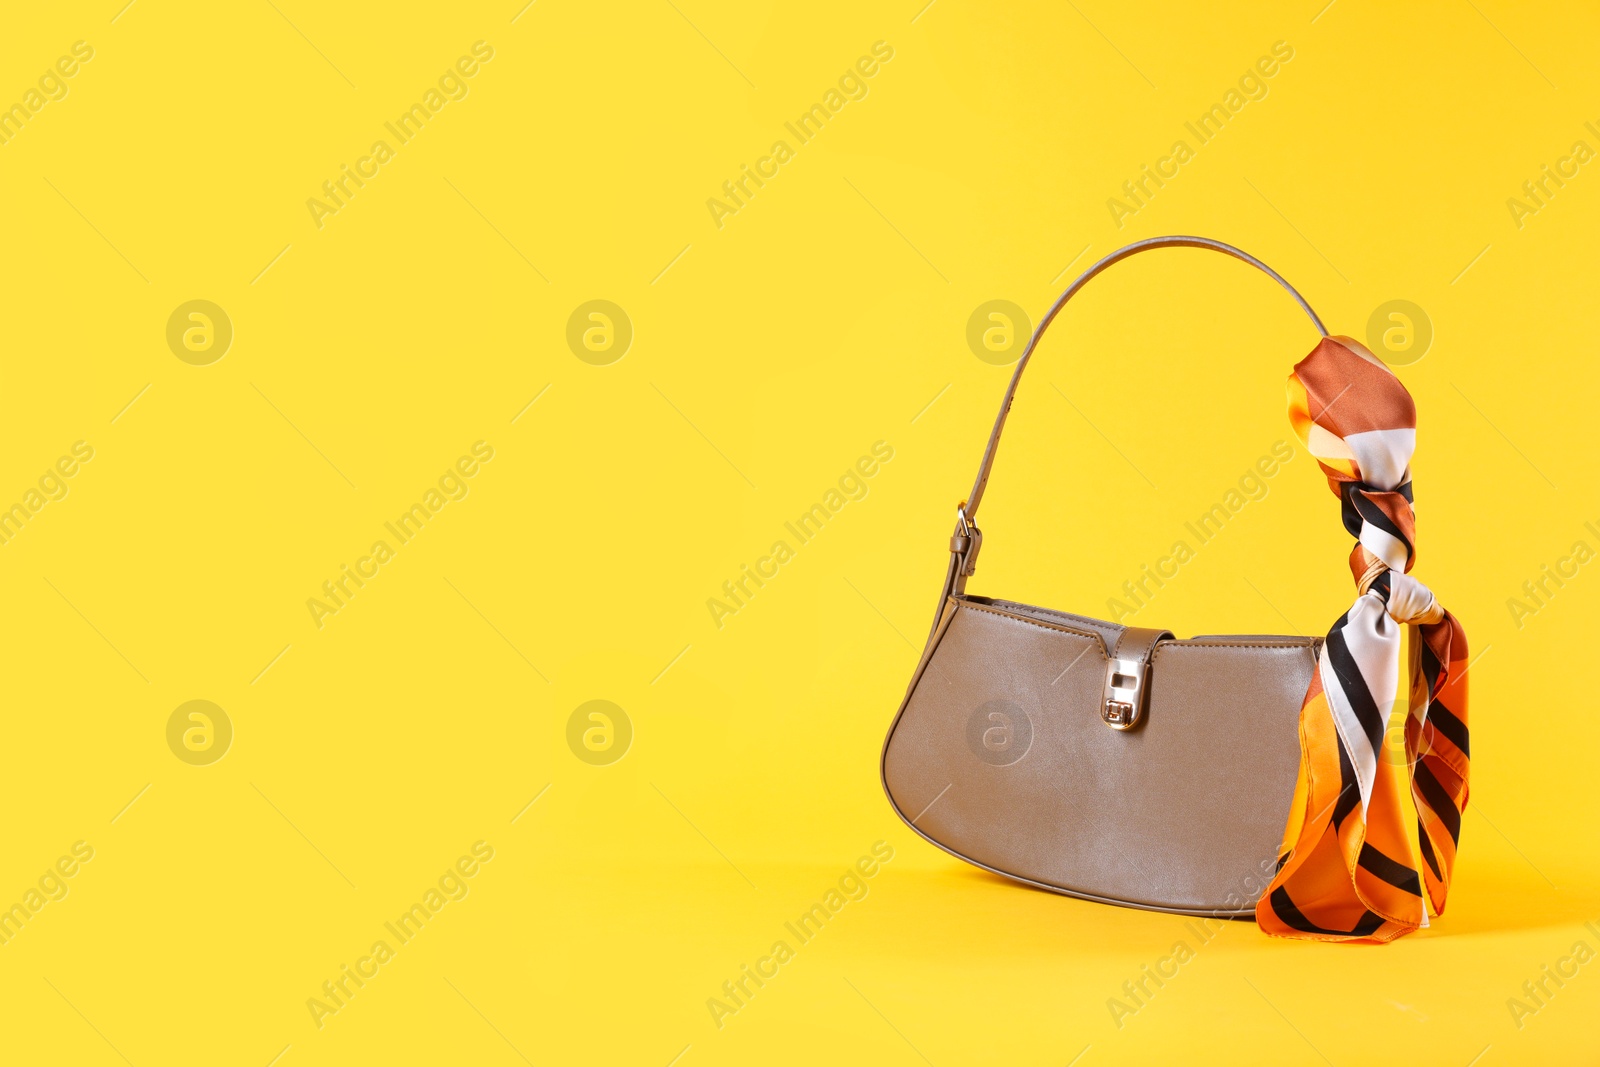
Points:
[(1346, 870)]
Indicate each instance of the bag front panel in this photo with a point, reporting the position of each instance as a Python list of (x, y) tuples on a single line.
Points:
[(999, 755)]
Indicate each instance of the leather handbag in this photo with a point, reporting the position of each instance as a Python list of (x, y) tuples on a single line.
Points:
[(1114, 763)]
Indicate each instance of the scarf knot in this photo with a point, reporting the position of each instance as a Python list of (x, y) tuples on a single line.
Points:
[(1406, 599)]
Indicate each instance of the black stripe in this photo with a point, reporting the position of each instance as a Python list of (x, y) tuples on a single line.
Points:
[(1431, 669), (1293, 917), (1373, 515), (1347, 508), (1396, 874), (1444, 720), (1349, 789), (1427, 851), (1283, 906), (1354, 687), (1438, 800), (1368, 924)]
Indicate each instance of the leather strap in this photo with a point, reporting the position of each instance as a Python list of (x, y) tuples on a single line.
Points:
[(968, 539), (1083, 279)]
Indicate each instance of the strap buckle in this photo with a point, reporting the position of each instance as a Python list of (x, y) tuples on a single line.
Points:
[(966, 541)]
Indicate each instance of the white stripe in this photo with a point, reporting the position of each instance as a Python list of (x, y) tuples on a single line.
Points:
[(1384, 456), (1385, 545), (1354, 738), (1373, 640)]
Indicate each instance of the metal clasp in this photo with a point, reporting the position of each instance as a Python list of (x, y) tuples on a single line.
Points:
[(1124, 693), (1128, 675)]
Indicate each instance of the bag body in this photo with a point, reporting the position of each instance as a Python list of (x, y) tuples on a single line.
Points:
[(1113, 763), (1000, 755)]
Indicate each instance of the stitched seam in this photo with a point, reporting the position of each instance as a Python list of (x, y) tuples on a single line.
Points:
[(1230, 644), (1034, 622), (1165, 646), (1069, 617)]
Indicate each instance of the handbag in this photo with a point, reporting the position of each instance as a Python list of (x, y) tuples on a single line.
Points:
[(1221, 776)]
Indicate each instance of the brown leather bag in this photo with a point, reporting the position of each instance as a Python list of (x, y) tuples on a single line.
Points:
[(1113, 763)]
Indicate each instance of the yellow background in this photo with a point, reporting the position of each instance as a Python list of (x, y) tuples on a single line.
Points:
[(768, 355)]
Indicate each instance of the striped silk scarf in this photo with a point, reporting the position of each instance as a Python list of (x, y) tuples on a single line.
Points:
[(1346, 871)]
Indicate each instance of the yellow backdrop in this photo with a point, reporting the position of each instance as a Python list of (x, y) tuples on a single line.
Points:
[(414, 649)]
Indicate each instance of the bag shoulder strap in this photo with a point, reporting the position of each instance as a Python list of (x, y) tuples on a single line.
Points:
[(967, 540), (1083, 279)]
